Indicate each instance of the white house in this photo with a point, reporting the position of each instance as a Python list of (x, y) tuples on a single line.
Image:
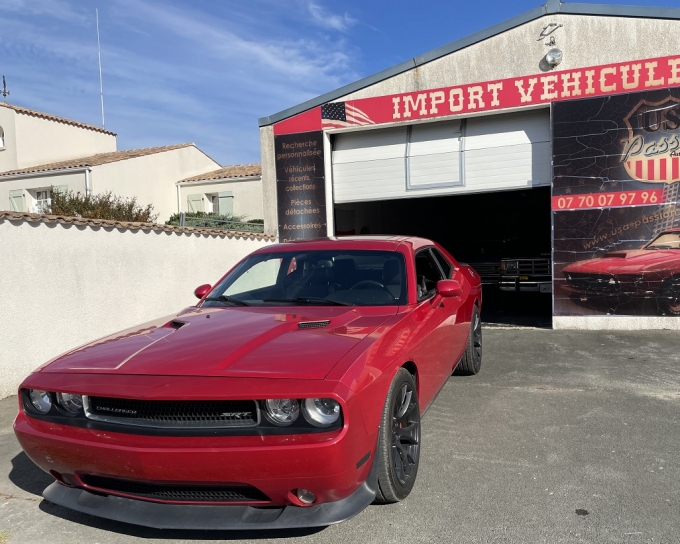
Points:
[(233, 190), (39, 151)]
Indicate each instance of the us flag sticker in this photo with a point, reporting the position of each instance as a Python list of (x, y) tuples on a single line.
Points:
[(342, 115)]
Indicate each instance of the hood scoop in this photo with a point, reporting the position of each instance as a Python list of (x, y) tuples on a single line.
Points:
[(313, 324), (619, 254), (175, 324)]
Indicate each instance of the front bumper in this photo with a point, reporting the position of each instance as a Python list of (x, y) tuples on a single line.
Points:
[(333, 465), (530, 285), (214, 517)]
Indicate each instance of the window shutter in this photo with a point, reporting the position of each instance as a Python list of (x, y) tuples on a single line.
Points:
[(194, 203), (16, 200), (226, 205)]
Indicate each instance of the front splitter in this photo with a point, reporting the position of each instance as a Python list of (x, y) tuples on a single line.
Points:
[(213, 517)]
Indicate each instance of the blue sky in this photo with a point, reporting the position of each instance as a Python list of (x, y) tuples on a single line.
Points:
[(204, 71)]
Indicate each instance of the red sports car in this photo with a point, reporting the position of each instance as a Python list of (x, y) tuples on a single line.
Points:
[(290, 396), (651, 272)]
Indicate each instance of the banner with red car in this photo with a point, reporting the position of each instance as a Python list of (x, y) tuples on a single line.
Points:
[(616, 204)]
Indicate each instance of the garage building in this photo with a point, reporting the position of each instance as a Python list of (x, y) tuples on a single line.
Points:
[(537, 150)]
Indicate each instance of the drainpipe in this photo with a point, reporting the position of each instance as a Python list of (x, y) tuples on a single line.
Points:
[(87, 181)]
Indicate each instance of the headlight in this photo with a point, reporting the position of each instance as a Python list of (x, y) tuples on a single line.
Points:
[(40, 400), (73, 404), (282, 411), (321, 412), (509, 266)]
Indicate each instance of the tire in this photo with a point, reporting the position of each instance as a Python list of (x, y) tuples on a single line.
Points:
[(669, 300), (471, 361), (399, 443)]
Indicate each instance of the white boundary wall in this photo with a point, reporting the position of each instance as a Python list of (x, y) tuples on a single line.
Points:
[(62, 285)]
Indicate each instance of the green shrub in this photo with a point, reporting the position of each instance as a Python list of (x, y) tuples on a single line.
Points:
[(213, 220), (203, 219), (100, 206)]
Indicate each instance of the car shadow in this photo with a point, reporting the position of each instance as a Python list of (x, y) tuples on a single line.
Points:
[(27, 476), (169, 534)]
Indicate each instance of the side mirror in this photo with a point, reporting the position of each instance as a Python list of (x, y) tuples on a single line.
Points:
[(202, 290), (449, 288)]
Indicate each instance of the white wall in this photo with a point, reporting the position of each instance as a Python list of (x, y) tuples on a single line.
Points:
[(247, 195), (152, 178), (65, 285), (42, 141), (8, 152)]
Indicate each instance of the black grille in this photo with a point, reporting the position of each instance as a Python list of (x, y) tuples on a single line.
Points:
[(181, 414), (313, 324), (489, 272), (176, 492), (593, 283), (533, 267)]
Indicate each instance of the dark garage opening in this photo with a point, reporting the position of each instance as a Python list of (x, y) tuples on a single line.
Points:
[(479, 229)]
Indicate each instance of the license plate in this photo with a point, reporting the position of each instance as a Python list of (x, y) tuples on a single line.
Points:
[(524, 278), (545, 288)]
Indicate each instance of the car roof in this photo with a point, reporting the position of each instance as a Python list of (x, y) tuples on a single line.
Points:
[(385, 243)]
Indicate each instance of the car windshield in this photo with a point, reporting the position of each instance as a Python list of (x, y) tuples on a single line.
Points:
[(320, 277), (668, 240)]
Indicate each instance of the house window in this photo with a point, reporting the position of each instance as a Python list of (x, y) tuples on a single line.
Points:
[(2, 139), (43, 201), (222, 203)]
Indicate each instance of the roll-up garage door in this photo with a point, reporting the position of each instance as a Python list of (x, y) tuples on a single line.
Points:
[(490, 153)]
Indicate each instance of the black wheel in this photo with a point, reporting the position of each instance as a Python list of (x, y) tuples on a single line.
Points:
[(669, 299), (471, 361), (399, 442)]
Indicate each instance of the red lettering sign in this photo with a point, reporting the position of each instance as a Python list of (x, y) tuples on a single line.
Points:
[(508, 93), (616, 199)]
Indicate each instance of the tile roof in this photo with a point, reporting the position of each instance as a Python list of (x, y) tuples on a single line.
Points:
[(95, 160), (128, 225), (233, 171), (55, 118)]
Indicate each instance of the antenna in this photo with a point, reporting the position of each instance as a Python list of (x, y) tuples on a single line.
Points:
[(5, 92), (99, 53)]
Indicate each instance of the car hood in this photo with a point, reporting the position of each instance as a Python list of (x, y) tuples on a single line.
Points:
[(232, 341), (629, 262)]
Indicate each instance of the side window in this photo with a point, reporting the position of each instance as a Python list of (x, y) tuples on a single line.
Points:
[(427, 274), (445, 265)]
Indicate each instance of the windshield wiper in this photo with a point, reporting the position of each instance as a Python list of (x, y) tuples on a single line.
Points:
[(309, 300), (225, 298), (661, 246)]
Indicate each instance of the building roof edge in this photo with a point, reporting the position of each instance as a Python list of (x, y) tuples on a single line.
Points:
[(551, 7)]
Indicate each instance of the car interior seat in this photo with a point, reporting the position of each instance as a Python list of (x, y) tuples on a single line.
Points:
[(391, 277)]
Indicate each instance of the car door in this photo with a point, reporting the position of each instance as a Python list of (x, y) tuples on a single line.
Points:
[(459, 321), (433, 327)]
